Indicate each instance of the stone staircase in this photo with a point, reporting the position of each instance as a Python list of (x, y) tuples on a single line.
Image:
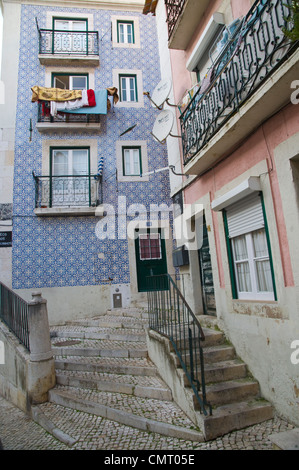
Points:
[(230, 389), (103, 368)]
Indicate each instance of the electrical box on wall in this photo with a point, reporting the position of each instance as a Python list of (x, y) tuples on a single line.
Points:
[(120, 295), (180, 256)]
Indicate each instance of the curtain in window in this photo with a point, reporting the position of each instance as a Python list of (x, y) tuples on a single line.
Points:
[(263, 269)]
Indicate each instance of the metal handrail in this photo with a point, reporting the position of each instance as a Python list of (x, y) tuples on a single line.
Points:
[(14, 313), (254, 51), (171, 316)]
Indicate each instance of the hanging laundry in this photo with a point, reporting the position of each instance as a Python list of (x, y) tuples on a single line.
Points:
[(54, 94), (69, 105)]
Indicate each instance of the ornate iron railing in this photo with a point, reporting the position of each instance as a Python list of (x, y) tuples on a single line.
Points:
[(67, 191), (174, 9), (257, 47), (68, 42), (44, 116), (171, 316), (14, 313)]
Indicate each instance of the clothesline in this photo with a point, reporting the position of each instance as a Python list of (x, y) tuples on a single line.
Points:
[(56, 100)]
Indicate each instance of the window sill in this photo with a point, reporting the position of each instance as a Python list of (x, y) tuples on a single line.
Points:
[(65, 211)]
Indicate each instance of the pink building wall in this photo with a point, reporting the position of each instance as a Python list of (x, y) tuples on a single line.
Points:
[(258, 147)]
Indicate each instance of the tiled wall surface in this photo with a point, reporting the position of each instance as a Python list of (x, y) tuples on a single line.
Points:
[(64, 251)]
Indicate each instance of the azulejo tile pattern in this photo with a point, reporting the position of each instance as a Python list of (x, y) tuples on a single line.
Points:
[(64, 251)]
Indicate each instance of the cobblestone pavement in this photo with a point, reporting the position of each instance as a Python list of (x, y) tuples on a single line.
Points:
[(19, 432)]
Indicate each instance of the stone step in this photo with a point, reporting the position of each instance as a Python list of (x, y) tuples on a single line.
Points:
[(212, 338), (149, 415), (211, 354), (112, 321), (94, 352), (114, 334), (234, 416), (223, 371), (136, 366), (153, 387), (229, 392)]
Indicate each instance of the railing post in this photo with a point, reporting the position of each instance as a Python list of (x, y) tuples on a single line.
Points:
[(39, 331)]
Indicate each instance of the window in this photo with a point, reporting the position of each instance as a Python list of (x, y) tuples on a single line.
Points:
[(252, 265), (132, 161), (248, 249), (125, 32), (70, 82), (128, 88), (69, 176), (150, 246), (69, 35)]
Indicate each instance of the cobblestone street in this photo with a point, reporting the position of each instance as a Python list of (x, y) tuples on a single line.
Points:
[(19, 432)]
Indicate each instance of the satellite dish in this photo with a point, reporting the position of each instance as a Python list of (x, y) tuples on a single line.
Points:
[(161, 92), (163, 126)]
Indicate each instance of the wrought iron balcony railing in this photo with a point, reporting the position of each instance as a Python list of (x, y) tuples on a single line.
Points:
[(67, 191), (255, 50), (44, 116), (68, 42), (174, 9)]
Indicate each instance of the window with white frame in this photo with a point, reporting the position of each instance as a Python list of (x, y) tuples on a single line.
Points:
[(128, 88), (125, 32), (252, 266), (69, 35), (68, 81), (150, 246), (69, 176), (249, 250), (132, 165)]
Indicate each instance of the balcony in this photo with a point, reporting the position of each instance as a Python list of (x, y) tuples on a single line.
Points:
[(68, 48), (183, 17), (249, 81), (66, 121), (67, 195)]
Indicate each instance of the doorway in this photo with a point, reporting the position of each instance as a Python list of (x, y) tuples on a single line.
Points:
[(206, 274)]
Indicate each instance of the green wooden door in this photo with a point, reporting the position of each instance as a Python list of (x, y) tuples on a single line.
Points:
[(150, 257)]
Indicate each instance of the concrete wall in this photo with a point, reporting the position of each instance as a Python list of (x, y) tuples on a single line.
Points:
[(9, 80)]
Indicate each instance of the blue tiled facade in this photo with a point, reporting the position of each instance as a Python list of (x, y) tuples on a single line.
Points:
[(63, 251)]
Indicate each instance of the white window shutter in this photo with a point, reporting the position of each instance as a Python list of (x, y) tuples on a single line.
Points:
[(245, 216)]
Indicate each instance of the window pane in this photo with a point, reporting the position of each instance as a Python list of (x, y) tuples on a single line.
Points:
[(61, 25), (127, 166), (240, 248), (264, 276), (60, 162), (78, 83), (243, 276), (132, 89), (121, 33), (79, 25), (260, 244), (80, 162), (123, 89), (130, 33)]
